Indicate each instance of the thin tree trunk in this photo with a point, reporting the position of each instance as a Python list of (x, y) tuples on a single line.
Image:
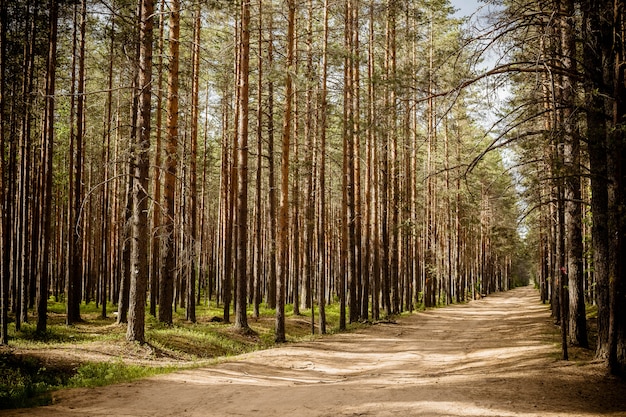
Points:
[(321, 238), (345, 273), (295, 271), (272, 278), (373, 176), (258, 264), (193, 183), (241, 319), (311, 155), (229, 265), (4, 209), (107, 276)]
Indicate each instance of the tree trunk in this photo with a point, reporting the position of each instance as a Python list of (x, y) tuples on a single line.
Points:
[(597, 36), (155, 271), (311, 156), (373, 223), (258, 221), (106, 211), (617, 164), (272, 278), (168, 273), (241, 320), (573, 211), (47, 174), (283, 232), (140, 236), (4, 240), (193, 183), (321, 237), (23, 205), (75, 232)]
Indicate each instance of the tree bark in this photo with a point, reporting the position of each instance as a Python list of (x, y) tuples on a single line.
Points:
[(272, 278), (258, 220), (617, 164), (75, 232), (573, 211), (155, 272), (140, 236), (47, 174), (241, 320), (4, 240), (597, 37), (321, 234), (283, 232), (193, 183), (168, 273)]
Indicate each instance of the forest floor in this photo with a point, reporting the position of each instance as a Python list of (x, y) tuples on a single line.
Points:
[(498, 356)]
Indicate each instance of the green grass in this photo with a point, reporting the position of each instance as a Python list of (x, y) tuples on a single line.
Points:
[(25, 382), (106, 373), (28, 381)]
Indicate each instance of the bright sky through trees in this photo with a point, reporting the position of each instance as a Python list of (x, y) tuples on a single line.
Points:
[(465, 7)]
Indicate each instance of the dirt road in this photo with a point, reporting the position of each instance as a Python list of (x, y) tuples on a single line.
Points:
[(498, 356)]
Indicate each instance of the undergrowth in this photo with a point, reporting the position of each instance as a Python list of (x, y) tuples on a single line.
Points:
[(28, 380)]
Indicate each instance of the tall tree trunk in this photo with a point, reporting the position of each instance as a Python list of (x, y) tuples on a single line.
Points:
[(193, 183), (107, 212), (75, 232), (573, 210), (155, 272), (617, 164), (168, 246), (272, 278), (258, 220), (295, 271), (358, 303), (373, 223), (4, 240), (346, 270), (47, 165), (311, 156), (241, 319), (22, 243), (321, 233), (229, 265), (283, 232), (140, 236)]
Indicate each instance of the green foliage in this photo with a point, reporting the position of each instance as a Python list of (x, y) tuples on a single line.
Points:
[(106, 373), (25, 382)]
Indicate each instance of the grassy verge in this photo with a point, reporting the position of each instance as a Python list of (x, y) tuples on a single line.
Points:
[(31, 367)]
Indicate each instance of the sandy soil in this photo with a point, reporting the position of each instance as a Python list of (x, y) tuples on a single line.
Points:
[(498, 356)]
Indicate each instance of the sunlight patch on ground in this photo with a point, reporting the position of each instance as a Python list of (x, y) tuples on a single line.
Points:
[(441, 408)]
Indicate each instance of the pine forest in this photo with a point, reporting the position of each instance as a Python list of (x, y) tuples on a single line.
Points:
[(374, 156)]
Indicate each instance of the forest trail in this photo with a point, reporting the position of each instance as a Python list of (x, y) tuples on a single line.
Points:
[(498, 356)]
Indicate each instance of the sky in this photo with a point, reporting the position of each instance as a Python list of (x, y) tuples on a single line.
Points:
[(465, 7)]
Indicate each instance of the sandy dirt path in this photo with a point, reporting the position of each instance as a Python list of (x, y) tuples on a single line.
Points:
[(498, 356)]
